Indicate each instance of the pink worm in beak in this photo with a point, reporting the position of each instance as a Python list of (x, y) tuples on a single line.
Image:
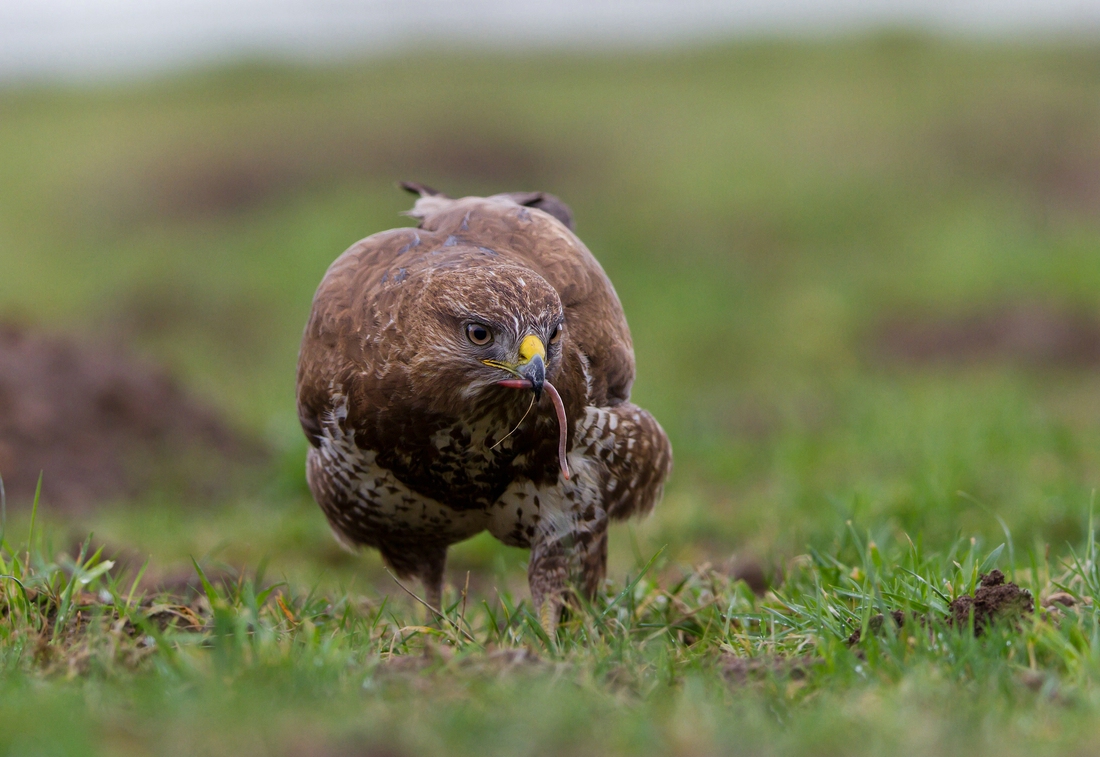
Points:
[(559, 407)]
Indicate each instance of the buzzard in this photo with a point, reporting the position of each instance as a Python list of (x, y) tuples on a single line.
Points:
[(474, 373)]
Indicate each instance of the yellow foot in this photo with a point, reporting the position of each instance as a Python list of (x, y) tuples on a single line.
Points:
[(549, 615)]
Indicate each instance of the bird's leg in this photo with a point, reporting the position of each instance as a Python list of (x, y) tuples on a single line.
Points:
[(431, 577), (548, 577), (593, 563), (572, 551)]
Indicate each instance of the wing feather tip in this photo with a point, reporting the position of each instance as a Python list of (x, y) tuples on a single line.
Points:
[(416, 188)]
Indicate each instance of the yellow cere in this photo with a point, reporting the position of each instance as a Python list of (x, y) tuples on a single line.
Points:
[(529, 347)]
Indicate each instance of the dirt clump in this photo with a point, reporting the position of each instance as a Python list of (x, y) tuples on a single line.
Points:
[(993, 600), (101, 425)]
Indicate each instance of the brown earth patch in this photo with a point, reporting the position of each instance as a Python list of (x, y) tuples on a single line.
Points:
[(1029, 334), (102, 425)]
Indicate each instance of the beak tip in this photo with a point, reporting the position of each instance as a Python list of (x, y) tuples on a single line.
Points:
[(535, 372)]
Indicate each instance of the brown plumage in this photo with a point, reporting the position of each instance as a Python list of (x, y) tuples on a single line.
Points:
[(417, 443)]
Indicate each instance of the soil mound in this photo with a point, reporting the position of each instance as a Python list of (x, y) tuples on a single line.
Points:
[(992, 601), (101, 425)]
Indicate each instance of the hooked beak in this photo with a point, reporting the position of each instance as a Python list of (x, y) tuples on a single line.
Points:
[(535, 372), (530, 369)]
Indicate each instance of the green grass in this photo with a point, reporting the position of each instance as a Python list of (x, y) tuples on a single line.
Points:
[(673, 661), (762, 209)]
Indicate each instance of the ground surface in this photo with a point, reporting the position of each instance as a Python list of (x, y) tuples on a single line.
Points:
[(862, 279)]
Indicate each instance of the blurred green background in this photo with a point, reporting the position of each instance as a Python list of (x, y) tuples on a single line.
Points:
[(863, 275)]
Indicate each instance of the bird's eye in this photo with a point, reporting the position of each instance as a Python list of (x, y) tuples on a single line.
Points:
[(478, 334), (556, 336)]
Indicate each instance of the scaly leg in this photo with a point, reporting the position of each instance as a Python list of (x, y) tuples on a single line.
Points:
[(548, 577), (572, 552)]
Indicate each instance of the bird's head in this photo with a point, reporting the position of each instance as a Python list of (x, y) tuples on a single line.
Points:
[(487, 327)]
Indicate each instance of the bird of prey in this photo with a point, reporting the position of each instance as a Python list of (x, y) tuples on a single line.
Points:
[(474, 373)]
